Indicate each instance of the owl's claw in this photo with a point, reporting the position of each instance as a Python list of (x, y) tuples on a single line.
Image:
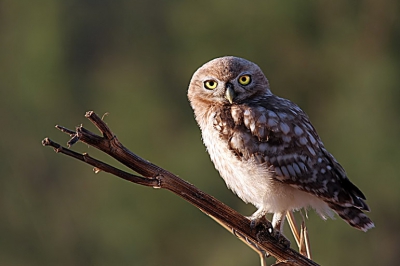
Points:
[(253, 223), (268, 228)]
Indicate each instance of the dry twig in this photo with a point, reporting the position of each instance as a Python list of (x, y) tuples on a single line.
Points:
[(259, 238)]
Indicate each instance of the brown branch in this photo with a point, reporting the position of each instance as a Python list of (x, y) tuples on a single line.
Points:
[(259, 238)]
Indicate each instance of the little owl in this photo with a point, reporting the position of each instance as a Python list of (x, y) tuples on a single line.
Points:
[(265, 147)]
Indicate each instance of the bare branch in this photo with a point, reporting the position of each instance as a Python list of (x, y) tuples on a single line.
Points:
[(259, 238)]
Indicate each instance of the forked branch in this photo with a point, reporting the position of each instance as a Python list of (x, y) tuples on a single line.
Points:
[(259, 238)]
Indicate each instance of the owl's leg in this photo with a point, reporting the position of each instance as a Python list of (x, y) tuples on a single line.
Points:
[(278, 220)]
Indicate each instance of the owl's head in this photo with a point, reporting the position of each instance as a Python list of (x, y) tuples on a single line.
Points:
[(228, 80)]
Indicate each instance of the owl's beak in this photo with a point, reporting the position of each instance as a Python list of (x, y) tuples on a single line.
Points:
[(229, 93)]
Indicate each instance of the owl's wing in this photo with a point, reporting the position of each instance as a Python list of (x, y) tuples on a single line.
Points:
[(277, 134)]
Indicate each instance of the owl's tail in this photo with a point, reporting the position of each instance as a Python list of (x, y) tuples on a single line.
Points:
[(354, 217)]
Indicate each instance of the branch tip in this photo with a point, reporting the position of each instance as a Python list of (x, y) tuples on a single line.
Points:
[(100, 124), (65, 130), (89, 114), (46, 142)]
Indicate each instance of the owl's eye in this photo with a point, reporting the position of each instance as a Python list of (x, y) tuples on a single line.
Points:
[(245, 79), (210, 84)]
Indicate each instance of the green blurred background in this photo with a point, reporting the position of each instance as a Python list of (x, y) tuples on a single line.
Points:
[(339, 60)]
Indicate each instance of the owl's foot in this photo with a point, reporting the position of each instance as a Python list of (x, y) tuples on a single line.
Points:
[(266, 227), (257, 218), (276, 234), (277, 223)]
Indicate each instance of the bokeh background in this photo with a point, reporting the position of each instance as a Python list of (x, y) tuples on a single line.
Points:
[(339, 60)]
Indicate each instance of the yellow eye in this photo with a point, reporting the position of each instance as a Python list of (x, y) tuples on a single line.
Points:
[(244, 80), (210, 84)]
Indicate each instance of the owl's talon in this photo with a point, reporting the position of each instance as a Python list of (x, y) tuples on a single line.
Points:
[(265, 227), (253, 223), (255, 220)]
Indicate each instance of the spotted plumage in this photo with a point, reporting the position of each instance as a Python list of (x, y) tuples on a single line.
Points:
[(266, 148)]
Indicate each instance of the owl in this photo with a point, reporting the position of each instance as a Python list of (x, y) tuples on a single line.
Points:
[(266, 149)]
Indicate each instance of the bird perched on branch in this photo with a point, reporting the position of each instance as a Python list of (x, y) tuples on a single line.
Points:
[(265, 147)]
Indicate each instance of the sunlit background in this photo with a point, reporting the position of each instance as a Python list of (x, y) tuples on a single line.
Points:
[(339, 60)]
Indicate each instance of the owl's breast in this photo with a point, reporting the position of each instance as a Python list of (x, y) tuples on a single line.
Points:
[(233, 150), (246, 178)]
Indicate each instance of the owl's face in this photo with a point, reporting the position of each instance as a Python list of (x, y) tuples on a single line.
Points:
[(228, 80)]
